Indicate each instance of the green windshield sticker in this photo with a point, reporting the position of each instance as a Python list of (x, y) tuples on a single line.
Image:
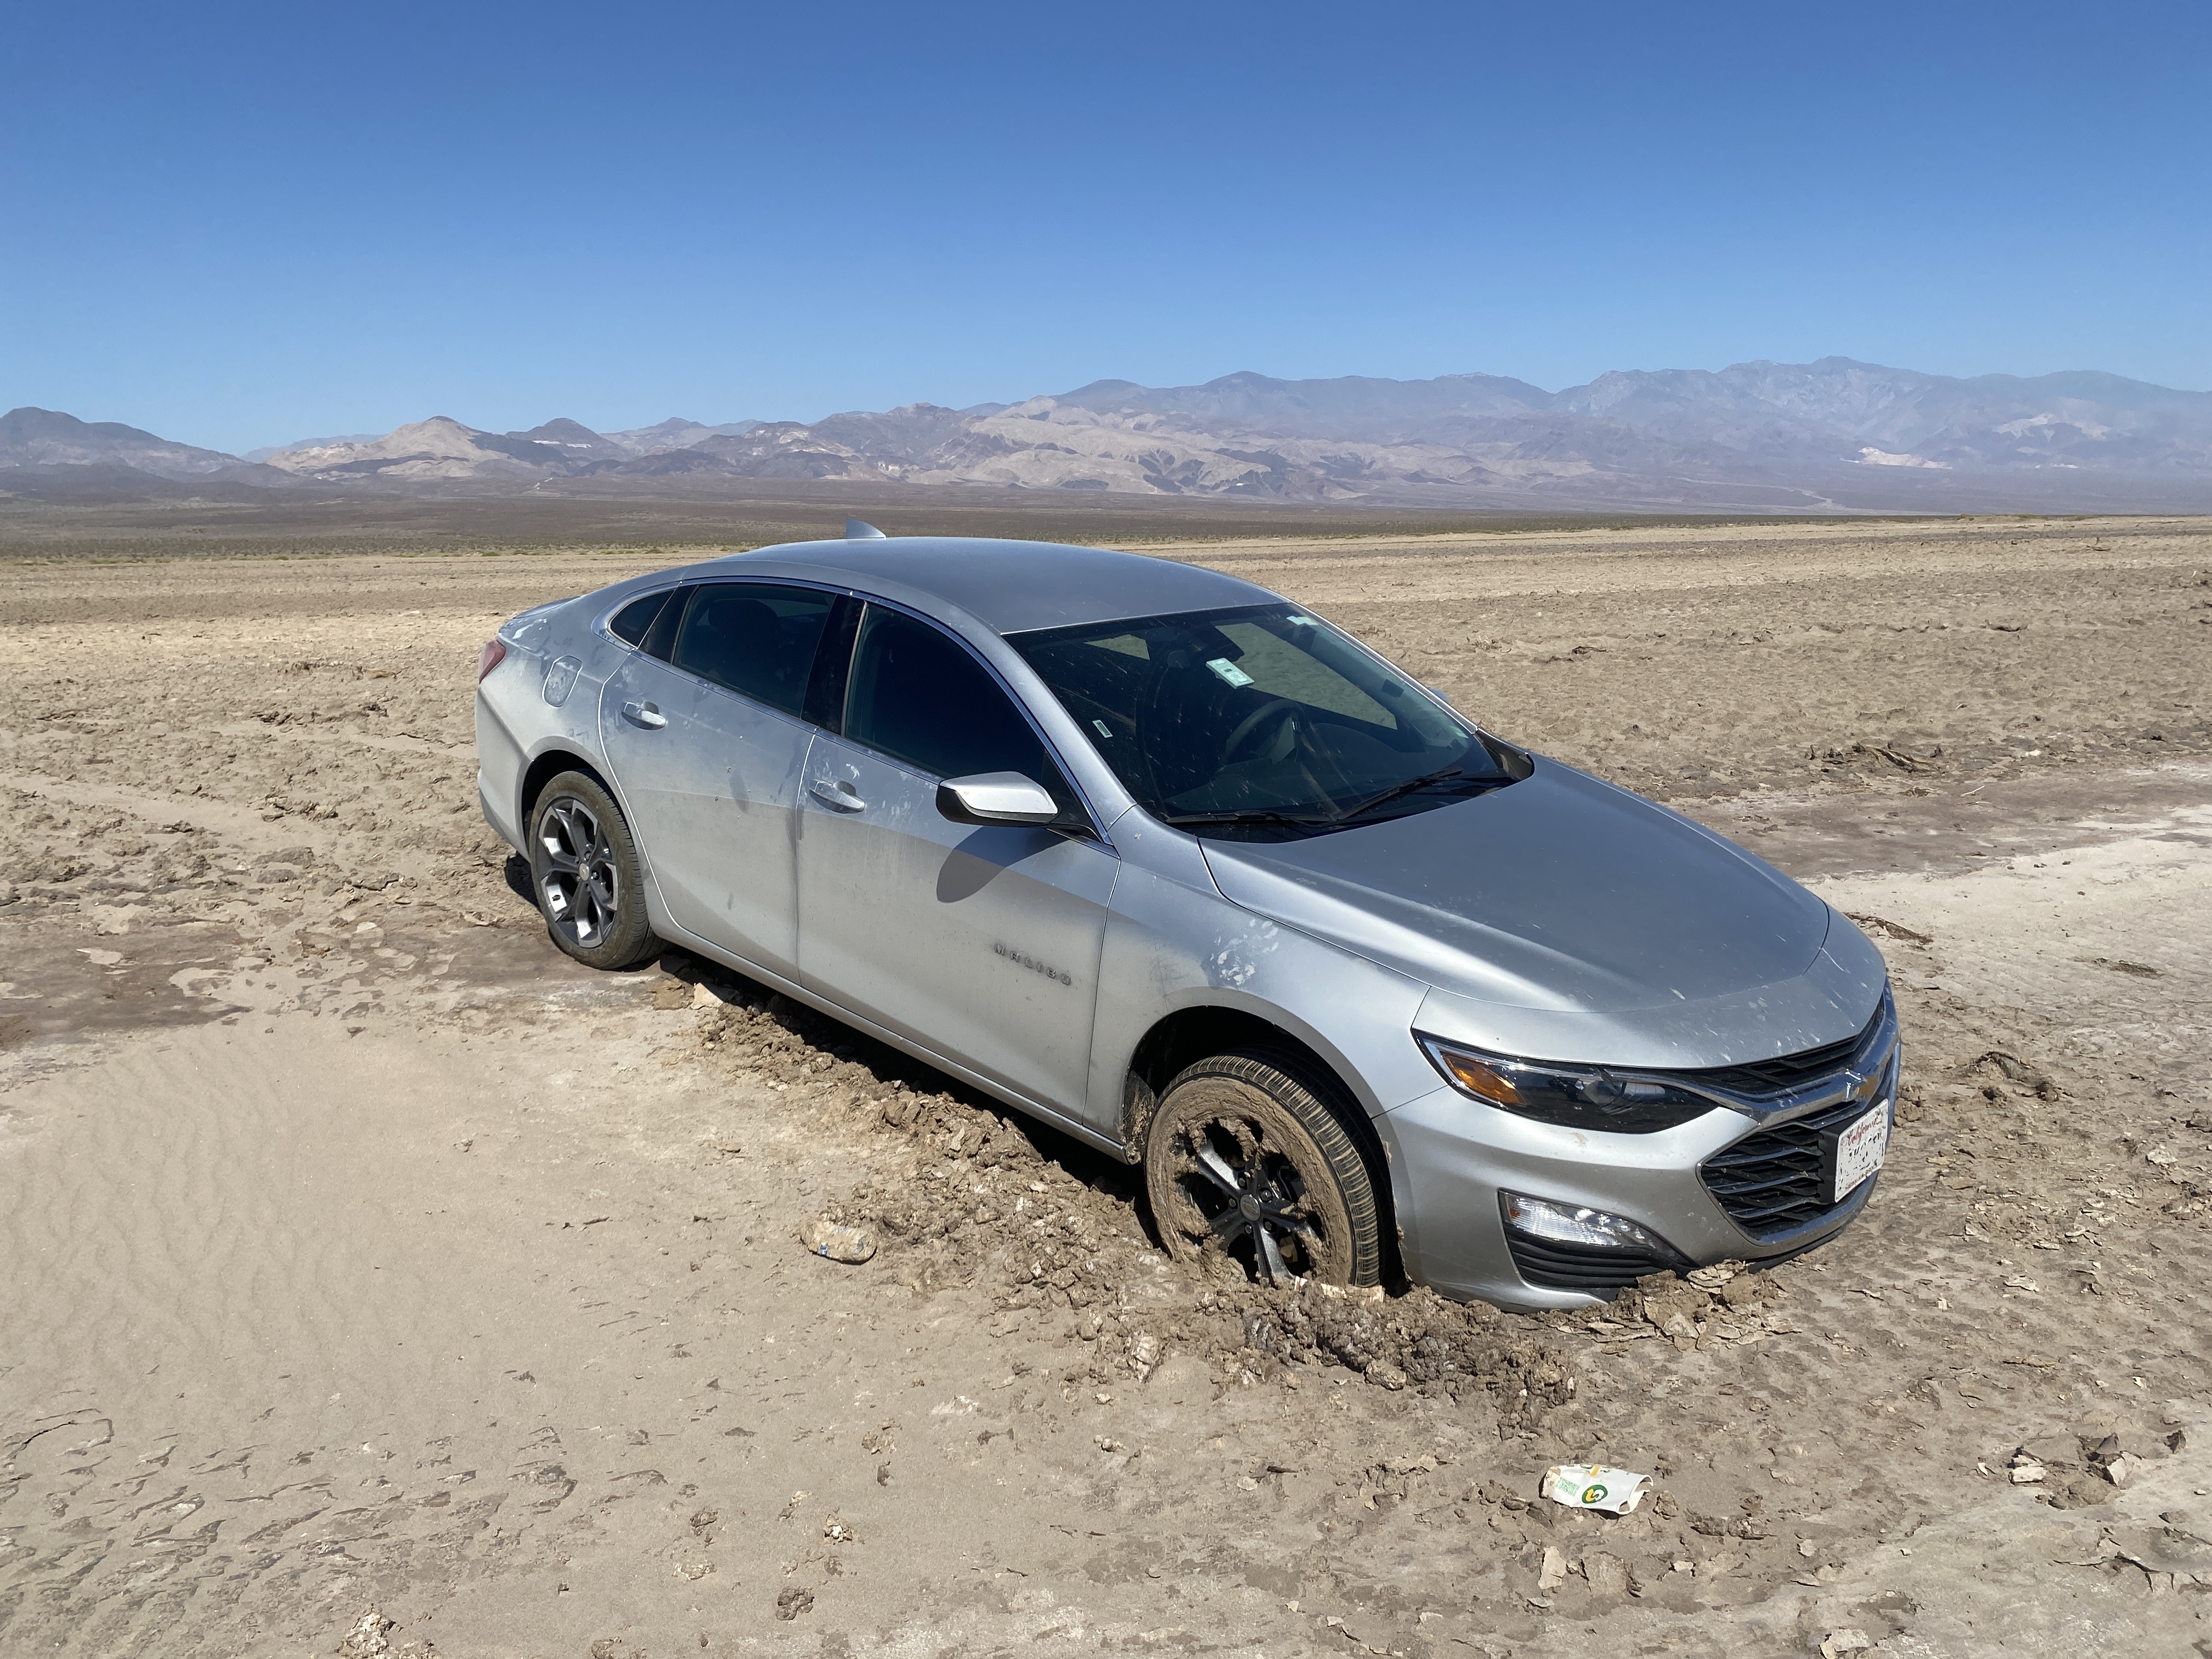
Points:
[(1229, 671)]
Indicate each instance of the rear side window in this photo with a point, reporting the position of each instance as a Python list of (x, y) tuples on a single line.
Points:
[(756, 639), (920, 697), (634, 620)]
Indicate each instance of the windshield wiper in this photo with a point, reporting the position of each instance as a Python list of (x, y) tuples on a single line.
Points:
[(1443, 775), (1242, 815), (1456, 772)]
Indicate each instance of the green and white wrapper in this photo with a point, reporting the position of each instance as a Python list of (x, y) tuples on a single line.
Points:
[(1594, 1486)]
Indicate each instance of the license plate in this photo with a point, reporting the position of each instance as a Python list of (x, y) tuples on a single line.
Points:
[(1859, 1147)]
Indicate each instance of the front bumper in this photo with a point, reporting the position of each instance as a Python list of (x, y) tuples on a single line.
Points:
[(1457, 1155)]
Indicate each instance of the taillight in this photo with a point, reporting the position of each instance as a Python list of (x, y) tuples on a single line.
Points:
[(493, 655)]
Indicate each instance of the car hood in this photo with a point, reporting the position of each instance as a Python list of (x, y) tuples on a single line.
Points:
[(1563, 908)]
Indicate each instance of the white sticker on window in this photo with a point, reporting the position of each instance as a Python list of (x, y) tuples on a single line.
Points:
[(1229, 671), (1103, 732), (1302, 621)]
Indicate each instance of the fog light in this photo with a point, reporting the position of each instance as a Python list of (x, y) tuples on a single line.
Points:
[(1571, 1224)]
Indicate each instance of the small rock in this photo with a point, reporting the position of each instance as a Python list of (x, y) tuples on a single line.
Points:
[(835, 1243), (1849, 1640), (672, 993), (1555, 1571), (1387, 1376), (790, 1603), (2028, 1474)]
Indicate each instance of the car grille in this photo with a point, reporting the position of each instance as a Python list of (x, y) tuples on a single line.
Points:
[(1774, 1181), (1552, 1266), (1785, 1071)]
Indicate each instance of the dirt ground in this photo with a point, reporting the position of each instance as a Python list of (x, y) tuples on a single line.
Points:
[(377, 1281)]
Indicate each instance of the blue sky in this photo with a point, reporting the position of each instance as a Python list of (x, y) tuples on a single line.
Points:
[(239, 224)]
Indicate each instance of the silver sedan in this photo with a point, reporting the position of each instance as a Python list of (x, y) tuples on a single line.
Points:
[(1169, 862)]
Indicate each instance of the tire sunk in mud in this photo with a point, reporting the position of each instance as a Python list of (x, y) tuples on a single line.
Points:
[(1242, 1158), (585, 875)]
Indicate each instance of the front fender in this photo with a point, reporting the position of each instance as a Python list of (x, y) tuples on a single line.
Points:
[(1170, 946)]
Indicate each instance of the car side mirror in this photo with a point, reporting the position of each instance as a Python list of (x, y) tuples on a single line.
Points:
[(996, 798)]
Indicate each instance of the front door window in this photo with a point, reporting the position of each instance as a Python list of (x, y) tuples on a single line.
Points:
[(920, 697)]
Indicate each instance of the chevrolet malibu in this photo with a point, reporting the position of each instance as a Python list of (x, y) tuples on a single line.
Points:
[(1172, 864)]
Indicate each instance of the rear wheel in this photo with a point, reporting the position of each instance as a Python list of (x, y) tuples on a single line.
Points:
[(585, 873), (1245, 1160)]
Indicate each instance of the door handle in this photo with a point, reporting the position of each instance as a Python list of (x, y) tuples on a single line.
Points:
[(839, 794), (644, 715)]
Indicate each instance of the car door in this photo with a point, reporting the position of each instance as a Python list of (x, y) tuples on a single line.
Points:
[(981, 944), (704, 729)]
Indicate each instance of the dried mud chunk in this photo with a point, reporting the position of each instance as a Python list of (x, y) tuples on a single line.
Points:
[(1608, 1575), (790, 1603), (835, 1242), (370, 1637)]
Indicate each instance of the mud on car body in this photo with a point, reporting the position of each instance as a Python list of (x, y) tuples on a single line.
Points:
[(1170, 863)]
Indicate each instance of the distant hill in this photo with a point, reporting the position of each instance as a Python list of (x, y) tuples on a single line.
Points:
[(1832, 436), (674, 433), (44, 437), (570, 441), (265, 452)]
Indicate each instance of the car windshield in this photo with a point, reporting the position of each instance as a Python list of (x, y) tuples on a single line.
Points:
[(1259, 723)]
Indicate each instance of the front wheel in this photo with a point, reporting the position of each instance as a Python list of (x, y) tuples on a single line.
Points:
[(585, 874), (1245, 1160)]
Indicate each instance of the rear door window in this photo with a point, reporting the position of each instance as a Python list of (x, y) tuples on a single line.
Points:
[(756, 639)]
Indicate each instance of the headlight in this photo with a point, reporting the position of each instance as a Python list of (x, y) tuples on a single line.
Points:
[(1574, 1096)]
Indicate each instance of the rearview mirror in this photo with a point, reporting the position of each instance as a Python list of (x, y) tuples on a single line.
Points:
[(995, 797)]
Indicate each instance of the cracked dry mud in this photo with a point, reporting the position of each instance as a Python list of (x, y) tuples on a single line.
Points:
[(379, 1282)]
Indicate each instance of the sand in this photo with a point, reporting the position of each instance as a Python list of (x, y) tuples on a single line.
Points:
[(376, 1280)]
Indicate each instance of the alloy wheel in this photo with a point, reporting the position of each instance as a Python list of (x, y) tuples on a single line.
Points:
[(577, 881)]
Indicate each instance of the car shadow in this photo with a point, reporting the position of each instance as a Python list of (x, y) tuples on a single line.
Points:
[(972, 866)]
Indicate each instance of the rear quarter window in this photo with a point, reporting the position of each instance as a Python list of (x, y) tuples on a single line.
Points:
[(634, 620)]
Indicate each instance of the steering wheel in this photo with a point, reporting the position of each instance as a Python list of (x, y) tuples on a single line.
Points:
[(1251, 723)]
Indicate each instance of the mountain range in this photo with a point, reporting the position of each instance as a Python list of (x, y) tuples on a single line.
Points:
[(1831, 435)]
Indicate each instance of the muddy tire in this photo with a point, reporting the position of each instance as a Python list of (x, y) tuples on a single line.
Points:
[(585, 875), (1243, 1159)]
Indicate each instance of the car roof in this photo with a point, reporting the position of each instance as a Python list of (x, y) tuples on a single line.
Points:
[(1012, 587)]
